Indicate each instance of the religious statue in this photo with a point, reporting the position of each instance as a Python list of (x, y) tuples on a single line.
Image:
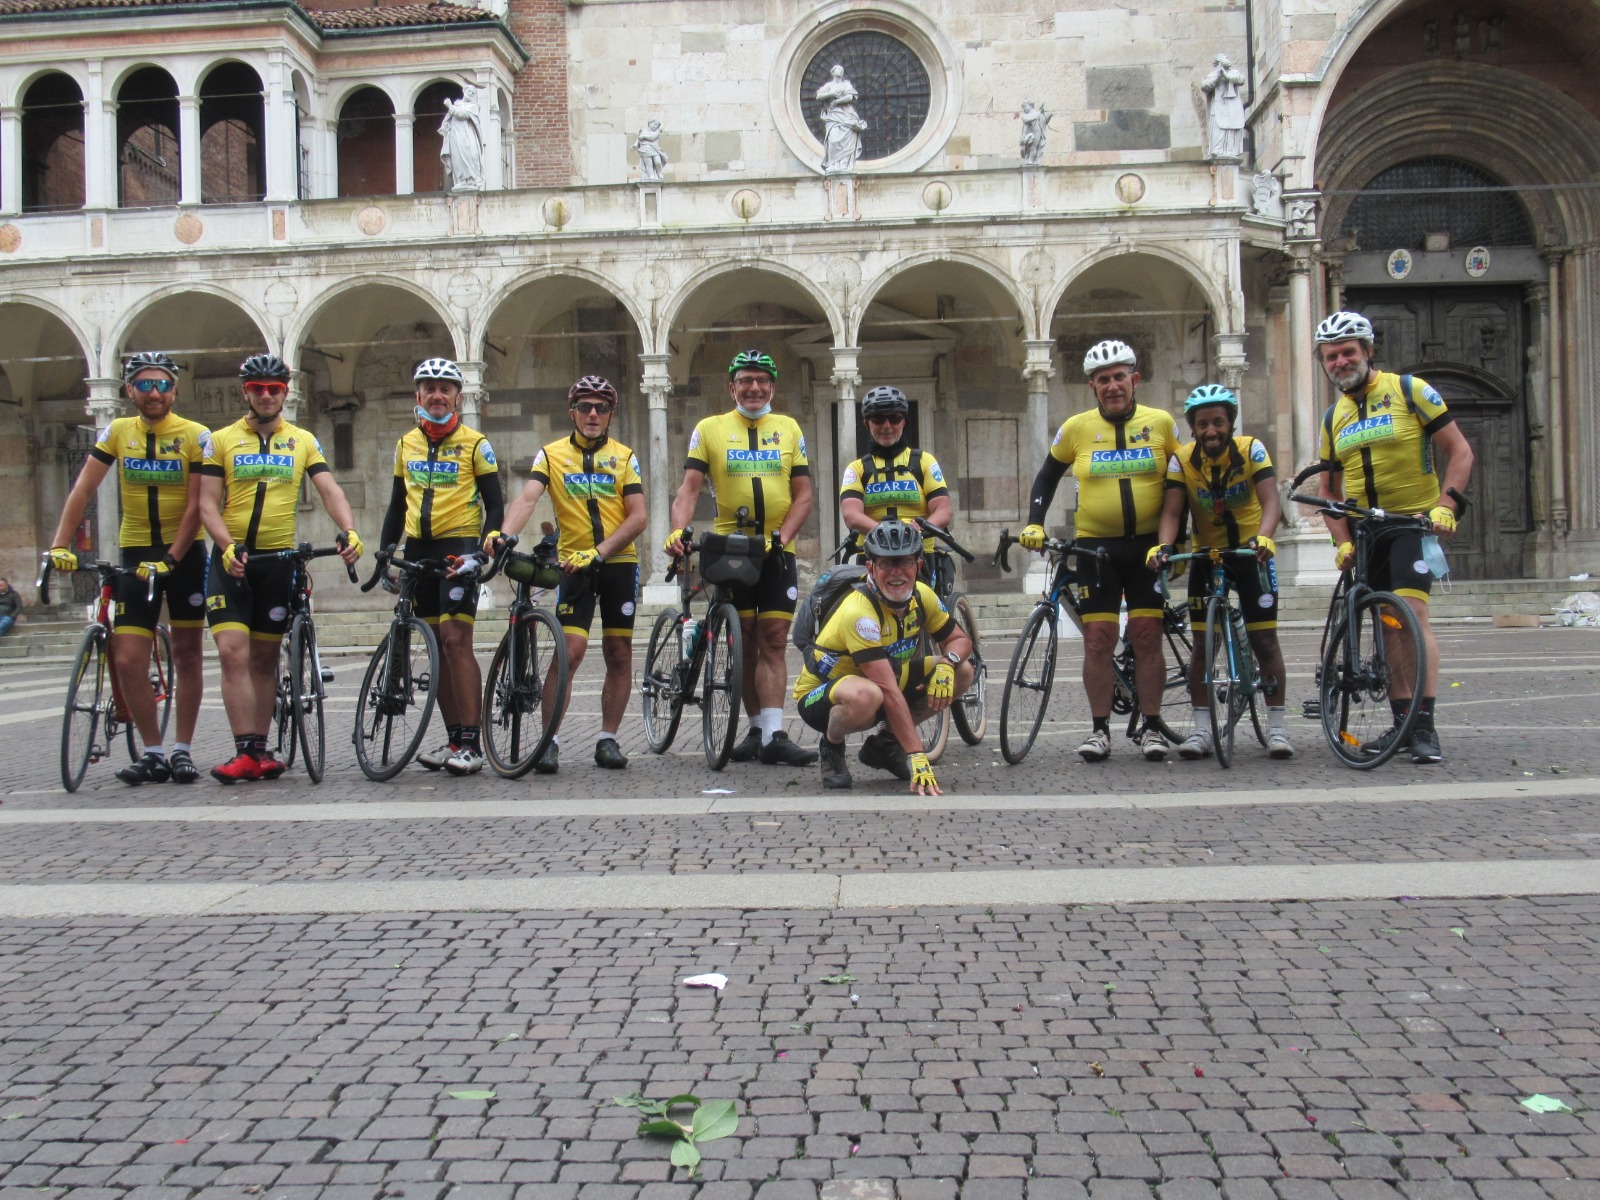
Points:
[(462, 147), (842, 143), (1266, 195), (1302, 218), (1034, 123), (651, 157), (1224, 109)]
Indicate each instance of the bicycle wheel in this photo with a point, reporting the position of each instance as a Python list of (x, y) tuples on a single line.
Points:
[(1028, 682), (517, 725), (1222, 684), (80, 720), (661, 688), (160, 672), (396, 699), (305, 695), (1359, 670), (724, 681), (935, 734), (285, 742), (971, 711)]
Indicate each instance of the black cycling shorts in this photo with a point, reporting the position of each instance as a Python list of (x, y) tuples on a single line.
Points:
[(256, 603), (1259, 605), (616, 588), (1395, 564), (443, 599), (184, 588), (1122, 573), (775, 594), (816, 704)]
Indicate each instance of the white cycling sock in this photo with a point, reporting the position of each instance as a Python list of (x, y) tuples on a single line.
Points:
[(1202, 721), (771, 722), (155, 751), (1274, 717)]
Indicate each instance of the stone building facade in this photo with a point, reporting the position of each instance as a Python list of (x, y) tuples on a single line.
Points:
[(217, 180)]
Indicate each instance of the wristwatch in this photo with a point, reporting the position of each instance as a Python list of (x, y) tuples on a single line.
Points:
[(953, 658)]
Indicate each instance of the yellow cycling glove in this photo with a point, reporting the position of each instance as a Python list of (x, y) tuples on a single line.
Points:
[(1344, 554), (1444, 518), (63, 560), (157, 567), (578, 560), (1155, 559), (923, 781), (1033, 537), (1262, 542), (942, 683), (352, 541), (675, 536), (230, 555)]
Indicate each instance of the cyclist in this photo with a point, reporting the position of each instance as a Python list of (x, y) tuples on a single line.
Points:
[(1381, 439), (249, 489), (598, 496), (864, 667), (892, 480), (157, 455), (1227, 483), (446, 496), (755, 460), (1118, 453)]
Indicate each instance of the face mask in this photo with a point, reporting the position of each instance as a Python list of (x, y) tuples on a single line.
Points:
[(427, 417), (754, 416)]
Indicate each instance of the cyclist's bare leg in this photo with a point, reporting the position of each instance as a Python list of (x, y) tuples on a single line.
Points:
[(130, 659), (188, 664), (1099, 645), (577, 646), (1269, 654), (752, 700), (460, 679), (772, 671), (1402, 659), (1150, 663), (238, 652), (618, 687), (1198, 697), (264, 678)]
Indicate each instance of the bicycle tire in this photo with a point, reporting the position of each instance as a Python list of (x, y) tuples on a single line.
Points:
[(160, 672), (517, 723), (402, 695), (970, 712), (724, 683), (1029, 680), (286, 743), (80, 720), (934, 730), (661, 685), (305, 696), (1357, 674), (1222, 686)]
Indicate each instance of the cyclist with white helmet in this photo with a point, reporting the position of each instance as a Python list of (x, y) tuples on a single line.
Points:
[(249, 496), (446, 496), (1381, 440), (893, 479), (1227, 483), (1118, 453)]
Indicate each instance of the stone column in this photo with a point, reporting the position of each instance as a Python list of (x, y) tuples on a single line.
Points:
[(1038, 369), (104, 397), (659, 475), (473, 398), (1555, 376), (846, 378), (404, 167), (493, 166), (324, 158), (99, 142), (297, 393), (1537, 385), (1333, 277), (1302, 369), (1227, 349), (280, 119), (188, 150), (10, 160)]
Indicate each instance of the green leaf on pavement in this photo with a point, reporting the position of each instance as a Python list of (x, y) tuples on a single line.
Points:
[(1543, 1104), (471, 1095), (841, 977), (664, 1128), (685, 1154), (715, 1119), (1460, 931)]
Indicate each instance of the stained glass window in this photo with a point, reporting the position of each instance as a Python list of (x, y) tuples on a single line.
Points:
[(1403, 202), (891, 79)]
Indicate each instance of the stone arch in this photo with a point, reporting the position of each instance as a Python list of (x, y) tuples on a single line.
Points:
[(991, 272), (123, 335), (233, 162), (1216, 300), (23, 82), (32, 344), (54, 148), (149, 139), (695, 287), (496, 299), (316, 308)]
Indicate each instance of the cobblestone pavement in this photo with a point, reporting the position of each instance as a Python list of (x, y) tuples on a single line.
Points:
[(1245, 1049)]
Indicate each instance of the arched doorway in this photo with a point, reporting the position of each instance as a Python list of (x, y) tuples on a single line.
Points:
[(233, 164), (427, 168), (149, 159), (366, 144), (52, 145)]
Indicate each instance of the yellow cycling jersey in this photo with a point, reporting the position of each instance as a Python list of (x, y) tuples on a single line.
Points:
[(153, 466), (586, 486), (261, 477), (1380, 440), (899, 486), (441, 481), (1222, 491), (863, 628), (750, 463), (1120, 468)]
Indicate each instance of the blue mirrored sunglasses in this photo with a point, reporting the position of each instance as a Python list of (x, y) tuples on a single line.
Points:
[(153, 385)]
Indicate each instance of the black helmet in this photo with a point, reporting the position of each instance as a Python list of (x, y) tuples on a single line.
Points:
[(883, 400), (264, 366), (893, 539), (149, 360)]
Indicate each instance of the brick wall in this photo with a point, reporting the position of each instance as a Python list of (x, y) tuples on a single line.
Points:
[(539, 104)]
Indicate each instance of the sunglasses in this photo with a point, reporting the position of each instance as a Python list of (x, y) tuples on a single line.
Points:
[(267, 389), (146, 386), (886, 419), (588, 407)]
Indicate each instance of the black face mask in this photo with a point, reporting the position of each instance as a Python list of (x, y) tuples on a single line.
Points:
[(888, 452)]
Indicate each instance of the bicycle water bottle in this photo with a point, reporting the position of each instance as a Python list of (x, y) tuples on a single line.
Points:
[(1240, 637), (687, 632)]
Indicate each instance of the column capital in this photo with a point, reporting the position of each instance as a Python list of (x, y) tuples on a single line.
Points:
[(1554, 255), (1039, 367), (105, 395), (404, 120), (846, 373), (656, 381)]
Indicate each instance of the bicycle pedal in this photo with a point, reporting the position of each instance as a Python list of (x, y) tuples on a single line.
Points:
[(327, 675)]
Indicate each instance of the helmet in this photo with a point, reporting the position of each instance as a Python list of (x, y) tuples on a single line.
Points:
[(437, 368), (593, 385), (148, 360), (893, 539), (1342, 326), (1108, 354), (1211, 393), (881, 400), (753, 360), (264, 366)]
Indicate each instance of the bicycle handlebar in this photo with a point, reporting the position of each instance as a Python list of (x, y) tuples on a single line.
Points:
[(680, 562), (387, 558), (943, 535), (107, 570), (1349, 508), (1057, 546), (305, 551)]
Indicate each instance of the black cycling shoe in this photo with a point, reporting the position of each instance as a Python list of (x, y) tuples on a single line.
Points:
[(882, 752), (549, 762), (609, 755), (152, 768), (835, 770), (780, 751), (183, 768), (1425, 745), (1384, 740), (748, 750)]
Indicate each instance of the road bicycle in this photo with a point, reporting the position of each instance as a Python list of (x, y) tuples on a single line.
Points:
[(685, 649), (525, 690), (95, 713), (1031, 676), (302, 679), (1372, 644), (1232, 674)]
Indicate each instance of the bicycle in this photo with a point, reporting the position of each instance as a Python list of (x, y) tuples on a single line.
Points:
[(681, 646), (1359, 664), (1031, 676), (302, 679), (89, 711), (1232, 675), (522, 710)]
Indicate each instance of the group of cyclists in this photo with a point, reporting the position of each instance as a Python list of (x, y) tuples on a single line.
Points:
[(889, 654)]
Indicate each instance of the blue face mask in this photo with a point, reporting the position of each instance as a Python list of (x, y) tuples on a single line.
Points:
[(424, 415), (754, 416)]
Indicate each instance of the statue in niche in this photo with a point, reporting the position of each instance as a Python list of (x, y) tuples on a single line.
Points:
[(1224, 109), (1303, 219), (1430, 36), (462, 148), (1266, 195), (1462, 36), (651, 157), (1035, 123), (842, 144)]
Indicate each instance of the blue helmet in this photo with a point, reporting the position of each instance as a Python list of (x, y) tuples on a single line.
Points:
[(1208, 394)]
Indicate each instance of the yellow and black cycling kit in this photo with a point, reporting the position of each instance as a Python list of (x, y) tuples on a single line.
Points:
[(261, 476), (750, 463), (153, 466), (1222, 491), (441, 481), (1380, 440), (863, 629), (898, 486), (586, 486), (1120, 468)]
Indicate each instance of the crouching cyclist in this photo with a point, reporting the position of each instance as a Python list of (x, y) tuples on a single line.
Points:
[(865, 667)]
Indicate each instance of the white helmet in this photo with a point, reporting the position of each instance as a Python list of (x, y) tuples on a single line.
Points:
[(437, 368), (1342, 326), (1108, 354)]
